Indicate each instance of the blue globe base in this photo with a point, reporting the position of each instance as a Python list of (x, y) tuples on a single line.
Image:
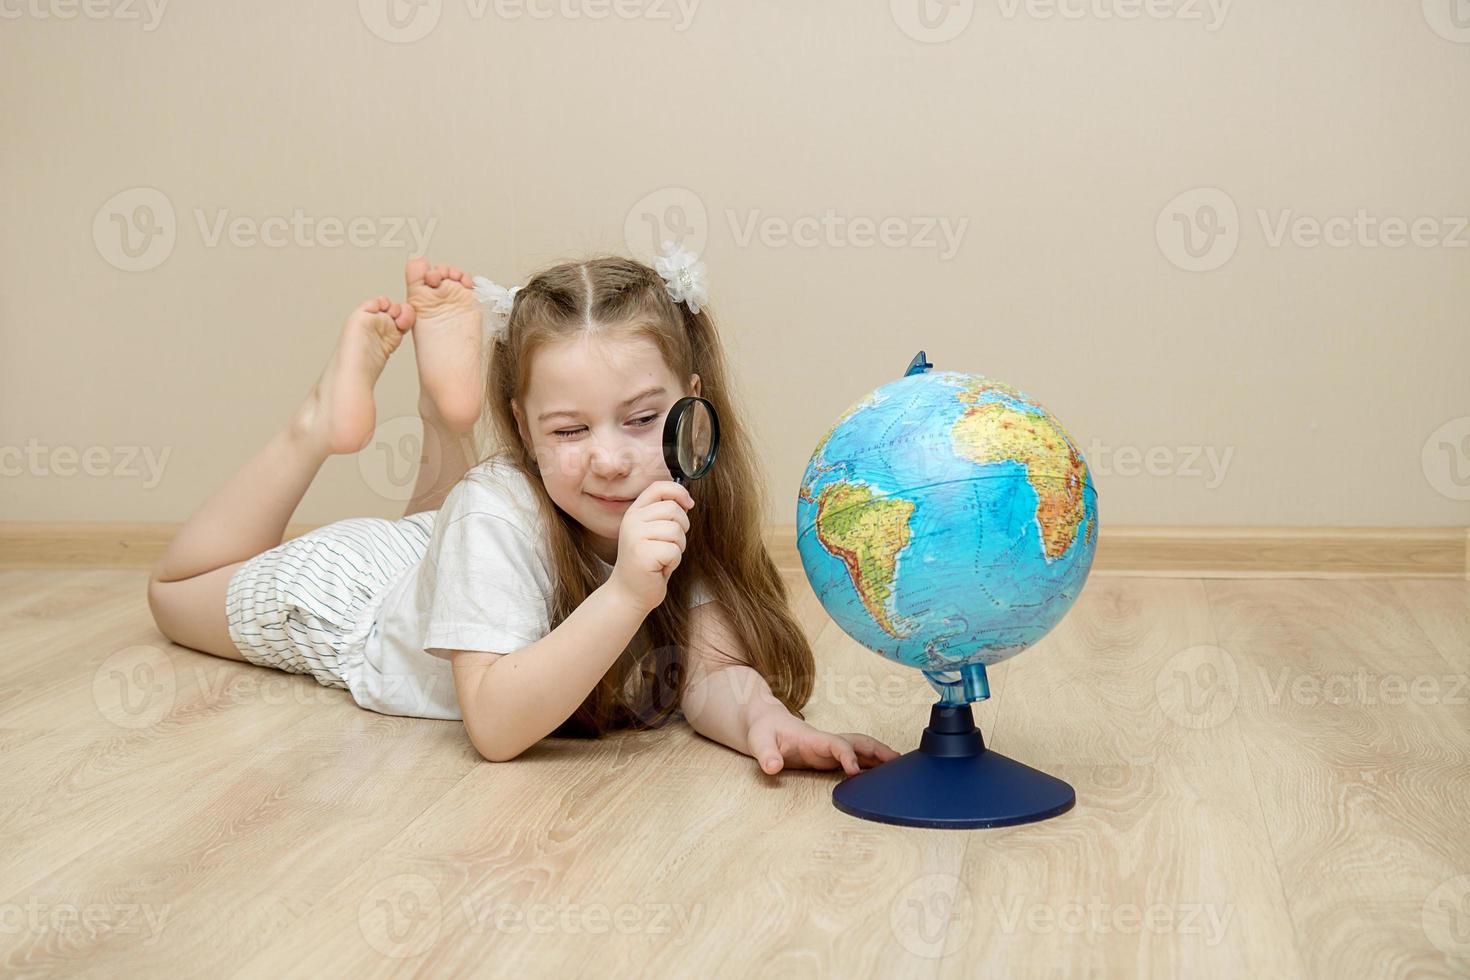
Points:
[(953, 781)]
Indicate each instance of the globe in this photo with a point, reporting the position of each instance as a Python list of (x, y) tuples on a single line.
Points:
[(946, 521)]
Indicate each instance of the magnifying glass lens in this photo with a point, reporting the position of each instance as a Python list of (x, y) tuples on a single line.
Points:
[(696, 437), (691, 438)]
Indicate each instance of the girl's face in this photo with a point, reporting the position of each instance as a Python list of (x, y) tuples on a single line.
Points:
[(594, 421)]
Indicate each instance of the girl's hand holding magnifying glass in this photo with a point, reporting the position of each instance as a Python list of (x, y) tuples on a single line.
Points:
[(651, 542), (655, 526)]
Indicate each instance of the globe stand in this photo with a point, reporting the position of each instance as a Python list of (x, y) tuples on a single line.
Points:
[(953, 781)]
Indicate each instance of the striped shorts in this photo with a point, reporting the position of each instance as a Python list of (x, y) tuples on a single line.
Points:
[(307, 605)]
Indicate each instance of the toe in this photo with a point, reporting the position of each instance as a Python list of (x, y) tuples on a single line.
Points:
[(405, 317), (454, 273), (415, 269), (434, 277)]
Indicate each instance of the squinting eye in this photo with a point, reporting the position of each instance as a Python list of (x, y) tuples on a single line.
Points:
[(643, 423)]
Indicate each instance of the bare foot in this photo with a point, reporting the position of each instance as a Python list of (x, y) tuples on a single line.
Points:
[(338, 416), (447, 333)]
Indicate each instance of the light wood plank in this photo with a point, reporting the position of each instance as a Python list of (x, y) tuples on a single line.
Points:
[(1442, 610), (1363, 786)]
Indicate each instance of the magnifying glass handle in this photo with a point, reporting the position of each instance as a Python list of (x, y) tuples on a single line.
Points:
[(681, 480)]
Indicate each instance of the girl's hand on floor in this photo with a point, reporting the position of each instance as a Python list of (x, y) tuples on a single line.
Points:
[(779, 738)]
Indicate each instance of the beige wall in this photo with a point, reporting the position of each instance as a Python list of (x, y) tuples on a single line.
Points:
[(1328, 383)]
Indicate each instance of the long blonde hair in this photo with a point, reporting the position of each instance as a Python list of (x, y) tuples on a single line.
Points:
[(614, 296)]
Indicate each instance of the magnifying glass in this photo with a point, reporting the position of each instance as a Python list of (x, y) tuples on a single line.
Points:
[(691, 438)]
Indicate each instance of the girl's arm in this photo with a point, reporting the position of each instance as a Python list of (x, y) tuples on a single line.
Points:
[(510, 702), (732, 704), (721, 699)]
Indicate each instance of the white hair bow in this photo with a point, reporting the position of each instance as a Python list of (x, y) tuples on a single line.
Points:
[(497, 302), (684, 275)]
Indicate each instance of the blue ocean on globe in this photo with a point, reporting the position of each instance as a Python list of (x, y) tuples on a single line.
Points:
[(947, 519)]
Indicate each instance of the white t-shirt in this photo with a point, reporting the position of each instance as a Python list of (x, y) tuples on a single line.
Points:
[(485, 583)]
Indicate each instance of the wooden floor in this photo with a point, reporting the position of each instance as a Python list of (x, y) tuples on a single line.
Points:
[(1272, 776)]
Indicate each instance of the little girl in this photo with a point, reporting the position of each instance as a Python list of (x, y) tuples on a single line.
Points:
[(533, 592)]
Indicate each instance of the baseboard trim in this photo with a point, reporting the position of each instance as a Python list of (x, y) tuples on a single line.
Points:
[(96, 545), (1286, 552), (1176, 551)]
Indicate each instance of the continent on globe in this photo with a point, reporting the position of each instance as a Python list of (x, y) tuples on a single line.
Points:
[(867, 534), (995, 432)]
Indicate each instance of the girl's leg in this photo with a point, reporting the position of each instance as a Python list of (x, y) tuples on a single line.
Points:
[(447, 336), (248, 515), (448, 452), (275, 480), (191, 611)]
